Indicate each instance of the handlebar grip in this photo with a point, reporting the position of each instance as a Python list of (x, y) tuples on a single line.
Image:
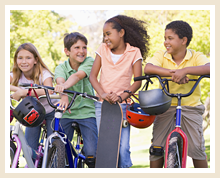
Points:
[(26, 84), (139, 78)]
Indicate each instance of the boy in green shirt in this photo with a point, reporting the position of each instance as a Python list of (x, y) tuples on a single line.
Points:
[(73, 75)]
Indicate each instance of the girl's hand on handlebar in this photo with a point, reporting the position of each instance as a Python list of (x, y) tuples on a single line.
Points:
[(19, 94), (63, 103)]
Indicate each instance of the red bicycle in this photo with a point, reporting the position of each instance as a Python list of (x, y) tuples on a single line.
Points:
[(176, 142)]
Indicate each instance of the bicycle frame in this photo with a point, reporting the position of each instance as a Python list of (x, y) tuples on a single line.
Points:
[(177, 129), (58, 131), (70, 150), (182, 134), (18, 137)]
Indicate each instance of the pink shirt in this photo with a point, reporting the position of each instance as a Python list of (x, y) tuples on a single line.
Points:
[(117, 77)]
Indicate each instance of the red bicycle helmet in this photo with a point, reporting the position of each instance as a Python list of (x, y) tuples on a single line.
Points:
[(30, 112), (137, 117)]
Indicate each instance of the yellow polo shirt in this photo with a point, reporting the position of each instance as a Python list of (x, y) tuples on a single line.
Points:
[(117, 77), (163, 59)]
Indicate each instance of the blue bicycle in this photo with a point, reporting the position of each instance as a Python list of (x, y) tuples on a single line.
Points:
[(59, 152)]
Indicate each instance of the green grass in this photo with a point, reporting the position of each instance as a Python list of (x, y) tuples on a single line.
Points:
[(140, 143)]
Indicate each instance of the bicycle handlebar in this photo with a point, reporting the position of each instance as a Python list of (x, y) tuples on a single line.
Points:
[(164, 81), (46, 88)]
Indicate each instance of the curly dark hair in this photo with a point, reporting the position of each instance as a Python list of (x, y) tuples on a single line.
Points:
[(182, 29), (135, 32)]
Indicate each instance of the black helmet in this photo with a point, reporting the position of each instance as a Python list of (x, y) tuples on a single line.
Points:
[(154, 101), (30, 112)]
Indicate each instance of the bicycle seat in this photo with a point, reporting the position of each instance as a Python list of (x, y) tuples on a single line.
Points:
[(75, 125)]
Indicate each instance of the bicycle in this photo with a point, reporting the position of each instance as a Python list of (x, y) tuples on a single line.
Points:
[(57, 142), (18, 143), (177, 141)]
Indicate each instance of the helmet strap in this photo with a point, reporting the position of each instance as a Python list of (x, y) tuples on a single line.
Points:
[(131, 94), (29, 92)]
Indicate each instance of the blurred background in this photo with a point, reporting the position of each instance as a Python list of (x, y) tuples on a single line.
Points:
[(46, 29)]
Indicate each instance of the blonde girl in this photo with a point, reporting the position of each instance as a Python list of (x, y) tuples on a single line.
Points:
[(29, 68)]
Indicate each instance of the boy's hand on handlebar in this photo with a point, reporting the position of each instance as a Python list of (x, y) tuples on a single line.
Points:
[(184, 80), (63, 103), (179, 76), (59, 88)]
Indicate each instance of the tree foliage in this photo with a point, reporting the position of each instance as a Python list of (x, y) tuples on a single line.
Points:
[(43, 28)]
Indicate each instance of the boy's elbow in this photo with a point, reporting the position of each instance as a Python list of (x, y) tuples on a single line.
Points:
[(208, 68), (147, 68)]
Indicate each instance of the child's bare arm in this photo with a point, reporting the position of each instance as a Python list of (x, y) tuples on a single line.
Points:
[(178, 75), (21, 93), (151, 69), (71, 81), (93, 79)]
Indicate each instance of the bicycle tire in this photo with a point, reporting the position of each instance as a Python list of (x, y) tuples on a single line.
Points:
[(56, 155), (81, 163), (174, 158), (13, 149)]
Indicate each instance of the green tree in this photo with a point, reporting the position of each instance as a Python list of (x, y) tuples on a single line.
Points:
[(43, 28)]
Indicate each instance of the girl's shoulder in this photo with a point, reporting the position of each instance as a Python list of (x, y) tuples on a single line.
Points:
[(131, 48), (46, 73)]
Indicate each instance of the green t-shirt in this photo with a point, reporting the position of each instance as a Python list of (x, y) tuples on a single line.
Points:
[(82, 107)]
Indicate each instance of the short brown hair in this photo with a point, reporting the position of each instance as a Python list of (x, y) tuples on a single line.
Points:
[(72, 38)]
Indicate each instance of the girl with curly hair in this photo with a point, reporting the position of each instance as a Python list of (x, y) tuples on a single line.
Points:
[(125, 45)]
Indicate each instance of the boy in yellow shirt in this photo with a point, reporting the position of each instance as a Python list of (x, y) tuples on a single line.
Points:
[(180, 64)]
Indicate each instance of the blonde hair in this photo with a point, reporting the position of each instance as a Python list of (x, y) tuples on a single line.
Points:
[(38, 67)]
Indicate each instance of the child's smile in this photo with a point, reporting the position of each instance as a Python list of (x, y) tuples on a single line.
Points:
[(78, 52), (25, 61), (172, 42)]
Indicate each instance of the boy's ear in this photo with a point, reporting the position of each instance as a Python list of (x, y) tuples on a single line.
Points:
[(185, 40), (66, 51)]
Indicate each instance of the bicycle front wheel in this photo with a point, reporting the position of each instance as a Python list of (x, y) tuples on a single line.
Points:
[(13, 149), (56, 155), (174, 158)]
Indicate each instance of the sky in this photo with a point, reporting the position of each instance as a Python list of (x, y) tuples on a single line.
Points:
[(85, 17)]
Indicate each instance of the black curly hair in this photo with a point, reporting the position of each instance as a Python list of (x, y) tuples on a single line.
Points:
[(135, 32), (182, 29)]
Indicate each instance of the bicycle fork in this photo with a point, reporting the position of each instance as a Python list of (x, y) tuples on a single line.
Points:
[(182, 134)]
